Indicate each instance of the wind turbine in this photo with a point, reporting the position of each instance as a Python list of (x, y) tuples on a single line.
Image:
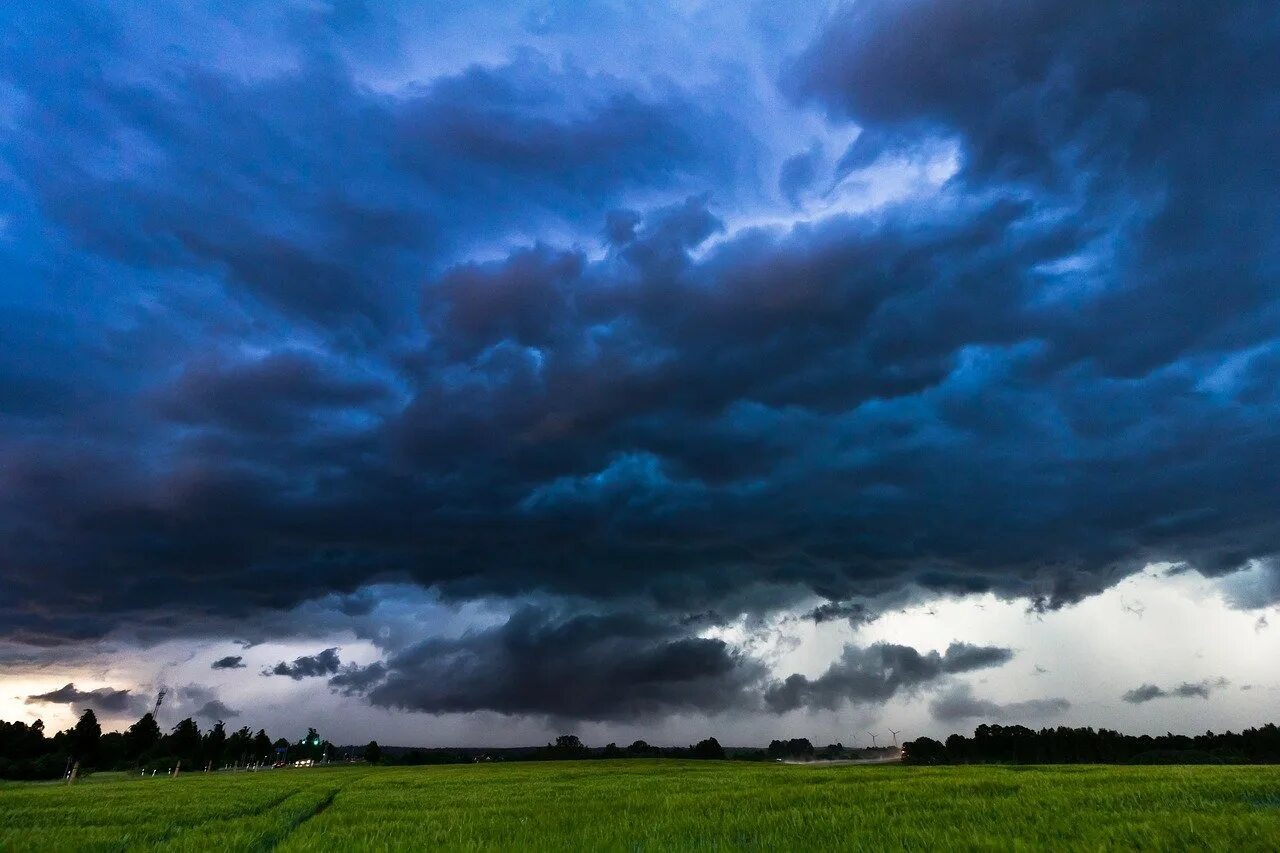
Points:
[(895, 735), (874, 745)]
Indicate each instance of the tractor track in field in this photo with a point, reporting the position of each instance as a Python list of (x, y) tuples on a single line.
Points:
[(319, 807)]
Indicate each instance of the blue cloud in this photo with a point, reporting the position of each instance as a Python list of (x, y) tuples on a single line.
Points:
[(284, 330)]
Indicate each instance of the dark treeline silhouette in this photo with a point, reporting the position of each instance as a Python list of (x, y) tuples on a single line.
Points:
[(565, 748), (1021, 745), (26, 752)]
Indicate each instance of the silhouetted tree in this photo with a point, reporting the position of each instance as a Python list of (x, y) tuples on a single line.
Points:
[(832, 751), (184, 742), (709, 748), (797, 747), (567, 746), (214, 743), (924, 750), (639, 747), (262, 748), (142, 737), (373, 753), (239, 745), (85, 737)]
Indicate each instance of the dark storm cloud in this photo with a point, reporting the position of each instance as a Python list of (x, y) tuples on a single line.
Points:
[(228, 662), (308, 666), (853, 612), (103, 700), (1185, 690), (626, 666), (279, 335), (585, 666), (876, 673), (1163, 108), (959, 703), (270, 394)]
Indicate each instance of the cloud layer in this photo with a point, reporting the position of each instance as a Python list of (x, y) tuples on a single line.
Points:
[(525, 328)]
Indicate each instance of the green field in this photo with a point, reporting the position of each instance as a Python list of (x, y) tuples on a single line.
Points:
[(655, 805)]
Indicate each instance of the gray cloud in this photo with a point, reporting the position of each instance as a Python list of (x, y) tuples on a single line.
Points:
[(619, 666), (215, 710), (202, 702), (878, 672), (228, 662), (1256, 587), (1185, 690), (959, 703), (628, 666), (308, 666), (103, 700)]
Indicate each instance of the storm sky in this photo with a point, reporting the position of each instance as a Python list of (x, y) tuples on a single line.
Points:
[(476, 372)]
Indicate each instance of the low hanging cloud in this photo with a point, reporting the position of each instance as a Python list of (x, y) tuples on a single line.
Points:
[(202, 702), (586, 666), (877, 672), (959, 703), (103, 700), (626, 665), (229, 662), (1185, 690), (308, 666)]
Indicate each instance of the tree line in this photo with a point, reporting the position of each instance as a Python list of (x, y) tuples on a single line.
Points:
[(28, 752), (564, 748), (1020, 745)]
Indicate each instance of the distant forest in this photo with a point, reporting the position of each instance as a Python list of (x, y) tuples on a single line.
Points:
[(27, 752), (1021, 745)]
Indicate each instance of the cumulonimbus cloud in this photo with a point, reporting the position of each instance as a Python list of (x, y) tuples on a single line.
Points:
[(625, 665), (300, 380)]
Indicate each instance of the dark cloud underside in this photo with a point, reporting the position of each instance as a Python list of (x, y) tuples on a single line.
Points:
[(273, 336), (308, 666), (103, 700), (624, 666)]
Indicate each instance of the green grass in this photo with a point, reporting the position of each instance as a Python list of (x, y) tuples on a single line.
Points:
[(656, 805)]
